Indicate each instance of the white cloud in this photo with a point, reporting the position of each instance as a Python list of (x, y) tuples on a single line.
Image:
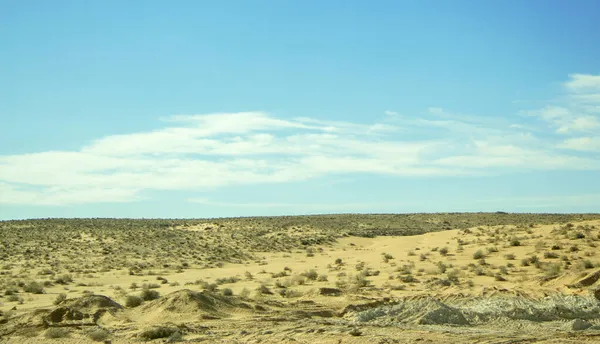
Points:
[(203, 152), (391, 113), (585, 144), (577, 111), (582, 82)]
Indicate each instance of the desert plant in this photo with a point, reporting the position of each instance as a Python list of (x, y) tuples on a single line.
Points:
[(56, 332), (99, 335), (322, 278), (478, 254), (311, 274), (60, 298), (132, 301), (158, 332), (34, 288)]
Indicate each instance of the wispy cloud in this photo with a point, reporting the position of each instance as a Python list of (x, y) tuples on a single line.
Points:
[(203, 152), (577, 111)]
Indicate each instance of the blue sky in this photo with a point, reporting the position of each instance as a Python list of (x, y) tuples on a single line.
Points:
[(239, 108)]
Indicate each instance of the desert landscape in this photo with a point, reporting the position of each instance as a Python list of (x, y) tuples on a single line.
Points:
[(410, 278)]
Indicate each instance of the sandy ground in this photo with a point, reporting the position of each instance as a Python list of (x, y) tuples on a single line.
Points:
[(381, 261)]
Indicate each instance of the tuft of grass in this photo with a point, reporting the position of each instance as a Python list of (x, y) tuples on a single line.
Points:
[(478, 254), (99, 335), (60, 298), (56, 332), (158, 332)]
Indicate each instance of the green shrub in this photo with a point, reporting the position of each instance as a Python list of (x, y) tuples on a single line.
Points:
[(149, 294), (478, 254), (133, 301), (34, 288), (64, 279)]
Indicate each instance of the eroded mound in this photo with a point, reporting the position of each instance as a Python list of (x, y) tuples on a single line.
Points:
[(187, 302), (84, 309), (482, 310)]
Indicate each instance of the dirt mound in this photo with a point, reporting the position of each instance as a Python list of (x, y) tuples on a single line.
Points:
[(443, 315), (87, 309), (70, 313), (423, 311), (480, 310), (186, 303), (587, 280)]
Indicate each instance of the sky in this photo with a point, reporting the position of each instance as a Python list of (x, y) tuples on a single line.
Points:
[(196, 109)]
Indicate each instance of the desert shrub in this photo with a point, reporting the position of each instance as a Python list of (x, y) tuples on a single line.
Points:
[(311, 275), (550, 255), (499, 278), (149, 294), (158, 332), (248, 275), (555, 247), (322, 278), (132, 301), (263, 290), (444, 251), (387, 257), (579, 235), (574, 248), (298, 280), (34, 288), (99, 335), (514, 242), (492, 249), (64, 279), (453, 276), (478, 254), (245, 293), (14, 298), (552, 270), (279, 274), (290, 293), (509, 256), (407, 278), (227, 292), (56, 332), (212, 287), (442, 267), (585, 264), (227, 280), (60, 298)]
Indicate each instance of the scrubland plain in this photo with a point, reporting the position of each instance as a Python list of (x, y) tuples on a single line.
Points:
[(411, 278)]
